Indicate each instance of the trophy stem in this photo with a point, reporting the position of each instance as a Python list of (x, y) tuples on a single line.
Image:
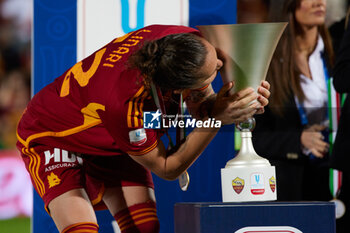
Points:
[(247, 155)]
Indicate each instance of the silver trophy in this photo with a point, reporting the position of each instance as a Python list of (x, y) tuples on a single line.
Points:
[(247, 49)]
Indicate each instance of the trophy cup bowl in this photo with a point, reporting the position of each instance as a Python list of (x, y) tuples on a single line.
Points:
[(247, 50)]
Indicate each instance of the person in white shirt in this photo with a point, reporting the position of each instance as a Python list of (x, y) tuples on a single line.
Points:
[(293, 131)]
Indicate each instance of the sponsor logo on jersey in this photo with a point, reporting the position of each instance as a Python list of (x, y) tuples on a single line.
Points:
[(238, 185), (138, 137), (61, 158)]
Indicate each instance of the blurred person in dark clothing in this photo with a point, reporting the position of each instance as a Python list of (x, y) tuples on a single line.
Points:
[(337, 30), (340, 158)]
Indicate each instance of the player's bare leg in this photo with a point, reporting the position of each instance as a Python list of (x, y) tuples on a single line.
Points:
[(70, 208)]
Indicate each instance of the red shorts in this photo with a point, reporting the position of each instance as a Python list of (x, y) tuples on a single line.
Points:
[(55, 171)]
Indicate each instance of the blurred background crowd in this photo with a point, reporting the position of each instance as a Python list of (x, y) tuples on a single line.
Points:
[(15, 78), (15, 65), (15, 86)]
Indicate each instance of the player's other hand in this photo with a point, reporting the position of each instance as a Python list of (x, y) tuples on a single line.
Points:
[(264, 94), (238, 107)]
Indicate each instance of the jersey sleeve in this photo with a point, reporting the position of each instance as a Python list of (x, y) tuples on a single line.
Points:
[(123, 119)]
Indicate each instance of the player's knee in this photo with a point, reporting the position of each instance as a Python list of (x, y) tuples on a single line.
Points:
[(81, 227), (138, 218)]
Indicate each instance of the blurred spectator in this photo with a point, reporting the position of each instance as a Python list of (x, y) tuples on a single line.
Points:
[(19, 12), (14, 96), (15, 31), (16, 191), (252, 11), (292, 131), (15, 27), (337, 30), (341, 156)]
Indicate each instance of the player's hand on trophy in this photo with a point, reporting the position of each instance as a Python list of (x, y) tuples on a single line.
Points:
[(237, 107), (313, 140), (264, 94)]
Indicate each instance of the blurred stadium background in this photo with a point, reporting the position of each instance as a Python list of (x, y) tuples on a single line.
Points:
[(15, 69)]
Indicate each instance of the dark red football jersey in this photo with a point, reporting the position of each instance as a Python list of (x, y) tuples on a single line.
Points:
[(96, 107)]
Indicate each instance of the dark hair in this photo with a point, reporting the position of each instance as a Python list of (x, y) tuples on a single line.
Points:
[(284, 74), (172, 62)]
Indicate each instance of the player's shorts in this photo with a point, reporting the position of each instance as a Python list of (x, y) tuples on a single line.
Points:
[(55, 171)]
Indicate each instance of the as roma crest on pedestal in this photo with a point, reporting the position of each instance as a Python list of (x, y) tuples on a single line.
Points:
[(238, 185)]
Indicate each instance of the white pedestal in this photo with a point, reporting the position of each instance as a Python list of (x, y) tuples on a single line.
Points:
[(249, 183)]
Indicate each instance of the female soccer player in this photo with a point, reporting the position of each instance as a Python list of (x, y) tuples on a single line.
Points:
[(83, 138)]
